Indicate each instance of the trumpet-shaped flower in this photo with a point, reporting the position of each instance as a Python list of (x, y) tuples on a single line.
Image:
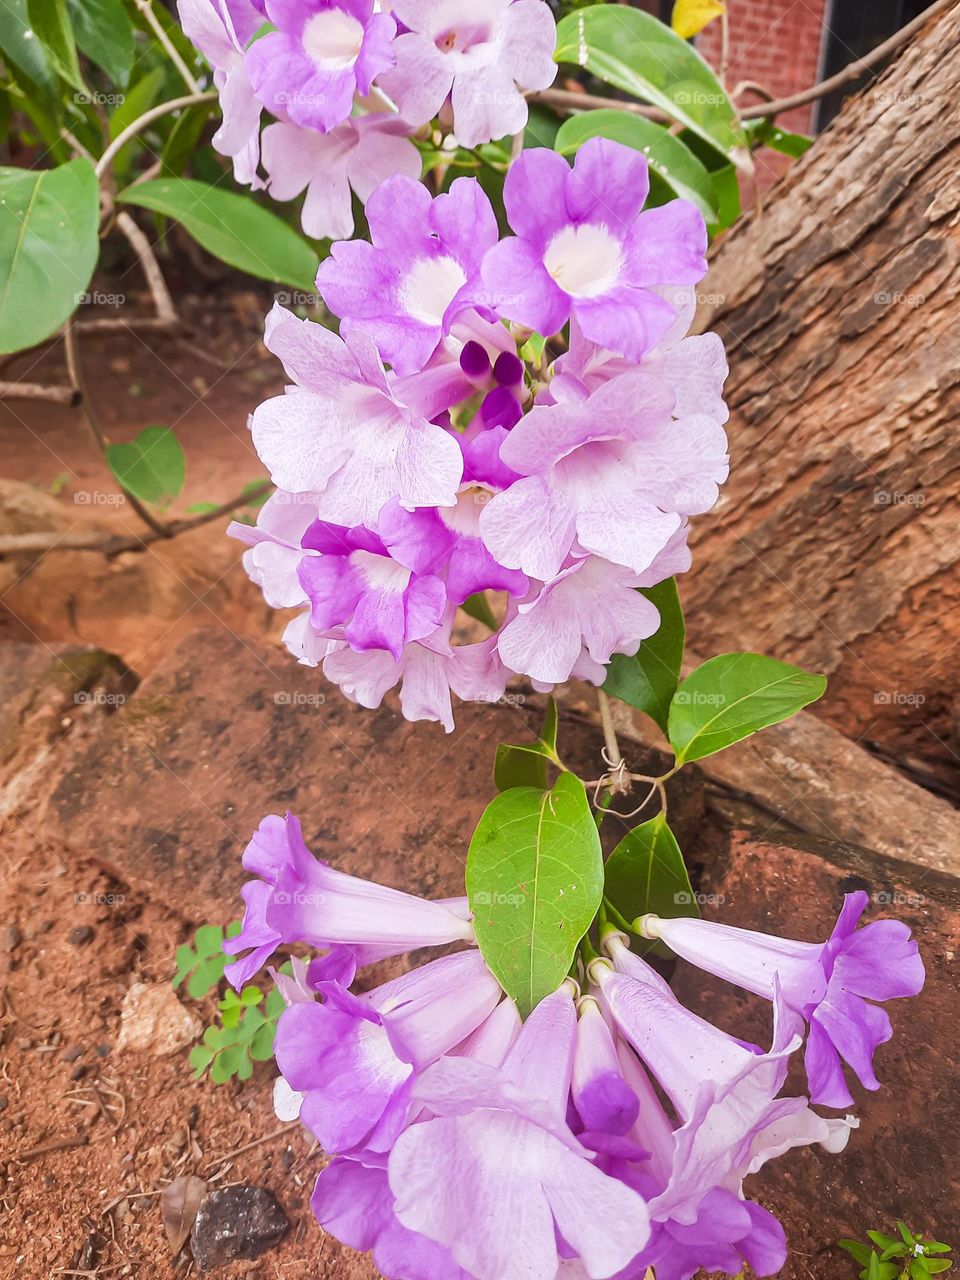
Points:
[(275, 550), (357, 590), (584, 248), (298, 898), (355, 1058), (479, 54), (220, 32), (422, 269), (828, 984), (496, 1176), (613, 475), (356, 156), (725, 1094), (427, 672), (353, 1201), (340, 433), (319, 55), (591, 604)]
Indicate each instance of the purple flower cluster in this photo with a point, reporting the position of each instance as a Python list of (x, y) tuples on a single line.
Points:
[(347, 82), (610, 1132), (420, 460)]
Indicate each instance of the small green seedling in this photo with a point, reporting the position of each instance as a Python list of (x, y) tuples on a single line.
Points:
[(202, 964), (908, 1258)]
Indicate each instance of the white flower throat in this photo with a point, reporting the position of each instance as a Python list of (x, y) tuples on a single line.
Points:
[(585, 260)]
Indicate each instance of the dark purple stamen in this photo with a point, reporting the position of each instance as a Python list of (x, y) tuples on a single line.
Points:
[(508, 369), (500, 408), (474, 361)]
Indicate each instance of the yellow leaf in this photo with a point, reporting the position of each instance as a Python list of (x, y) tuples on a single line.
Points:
[(691, 16)]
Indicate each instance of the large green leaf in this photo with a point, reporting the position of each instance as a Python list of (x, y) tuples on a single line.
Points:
[(48, 248), (232, 227), (524, 764), (152, 467), (534, 880), (675, 163), (732, 696), (646, 872), (104, 33), (52, 27), (635, 52), (22, 48), (649, 679)]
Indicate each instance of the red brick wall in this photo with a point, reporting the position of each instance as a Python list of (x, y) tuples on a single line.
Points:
[(775, 42)]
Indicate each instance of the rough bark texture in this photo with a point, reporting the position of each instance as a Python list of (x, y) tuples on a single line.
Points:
[(837, 540)]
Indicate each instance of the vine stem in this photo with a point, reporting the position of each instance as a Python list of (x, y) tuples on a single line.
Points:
[(141, 122), (618, 784), (75, 370), (146, 8)]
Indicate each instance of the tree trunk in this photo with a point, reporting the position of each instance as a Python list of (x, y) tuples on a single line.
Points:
[(837, 539)]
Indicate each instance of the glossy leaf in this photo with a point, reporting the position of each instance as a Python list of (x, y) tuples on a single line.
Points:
[(648, 679), (668, 157), (635, 52), (534, 881), (524, 764), (152, 467), (477, 607), (233, 227), (730, 697), (104, 33), (19, 45), (51, 25), (646, 872), (48, 248)]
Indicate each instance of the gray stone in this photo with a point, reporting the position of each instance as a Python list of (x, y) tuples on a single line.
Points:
[(236, 1222)]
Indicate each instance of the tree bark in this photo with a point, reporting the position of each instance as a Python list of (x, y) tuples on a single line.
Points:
[(837, 538)]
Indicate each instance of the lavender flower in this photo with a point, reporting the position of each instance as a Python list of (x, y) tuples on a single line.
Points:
[(479, 55), (321, 53), (826, 984), (297, 898), (583, 248)]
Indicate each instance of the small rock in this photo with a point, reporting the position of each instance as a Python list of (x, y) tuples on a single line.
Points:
[(10, 938), (73, 1052), (78, 1072), (80, 935), (102, 1050), (236, 1222), (152, 1020)]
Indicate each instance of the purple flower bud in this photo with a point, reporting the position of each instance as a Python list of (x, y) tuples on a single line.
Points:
[(500, 408), (474, 361), (508, 369)]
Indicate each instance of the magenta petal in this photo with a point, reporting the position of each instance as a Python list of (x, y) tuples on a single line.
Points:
[(880, 962), (535, 195), (609, 184), (628, 320), (828, 1086), (667, 245)]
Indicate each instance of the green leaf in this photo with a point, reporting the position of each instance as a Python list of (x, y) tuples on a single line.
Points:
[(19, 44), (477, 607), (935, 1266), (200, 1058), (139, 98), (859, 1252), (732, 696), (765, 133), (261, 1046), (646, 872), (48, 248), (201, 508), (232, 227), (675, 163), (104, 33), (184, 138), (534, 881), (635, 52), (524, 764), (152, 467), (51, 26), (519, 766), (649, 679)]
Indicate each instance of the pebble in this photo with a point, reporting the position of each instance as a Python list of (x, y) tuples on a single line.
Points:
[(236, 1222), (10, 938), (80, 935), (73, 1052), (78, 1072)]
